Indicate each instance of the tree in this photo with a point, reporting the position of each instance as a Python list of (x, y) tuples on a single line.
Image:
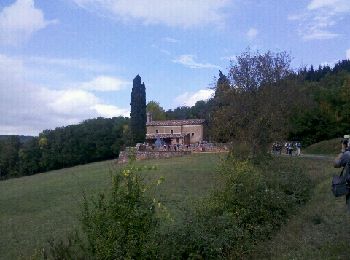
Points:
[(255, 109), (138, 111), (9, 152), (158, 113)]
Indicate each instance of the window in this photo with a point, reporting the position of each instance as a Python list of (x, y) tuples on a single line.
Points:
[(172, 131), (192, 134), (156, 131), (177, 140)]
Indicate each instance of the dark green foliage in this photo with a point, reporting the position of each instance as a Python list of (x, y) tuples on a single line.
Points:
[(253, 103), (322, 71), (9, 163), (92, 140), (22, 138), (182, 112), (157, 112), (310, 106), (198, 111), (138, 111), (329, 116), (30, 157), (78, 144), (252, 205)]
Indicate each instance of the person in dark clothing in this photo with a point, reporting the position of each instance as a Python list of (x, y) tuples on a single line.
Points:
[(343, 160)]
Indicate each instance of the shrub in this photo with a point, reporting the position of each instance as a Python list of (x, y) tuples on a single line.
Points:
[(253, 203), (119, 224)]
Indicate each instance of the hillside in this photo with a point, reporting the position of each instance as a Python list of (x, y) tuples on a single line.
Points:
[(320, 230), (324, 147), (47, 205)]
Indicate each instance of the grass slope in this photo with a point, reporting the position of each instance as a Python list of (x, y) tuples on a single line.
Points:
[(320, 230), (36, 208), (42, 206), (325, 147)]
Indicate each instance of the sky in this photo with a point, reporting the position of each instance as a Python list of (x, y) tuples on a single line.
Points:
[(65, 61)]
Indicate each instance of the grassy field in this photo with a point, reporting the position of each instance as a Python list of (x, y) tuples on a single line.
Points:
[(319, 230), (325, 147), (39, 207)]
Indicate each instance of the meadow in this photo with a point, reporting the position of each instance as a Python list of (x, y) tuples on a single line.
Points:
[(37, 208), (47, 205)]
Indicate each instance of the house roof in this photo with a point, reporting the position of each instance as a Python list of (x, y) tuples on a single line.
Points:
[(176, 122), (155, 136)]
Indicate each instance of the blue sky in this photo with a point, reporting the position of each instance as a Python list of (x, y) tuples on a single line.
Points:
[(64, 61)]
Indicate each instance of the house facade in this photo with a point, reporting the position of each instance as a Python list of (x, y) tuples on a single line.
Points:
[(185, 132)]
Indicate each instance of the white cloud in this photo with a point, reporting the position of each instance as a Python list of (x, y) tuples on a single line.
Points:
[(189, 13), (111, 111), (333, 5), (348, 54), (190, 99), (229, 58), (19, 21), (170, 40), (189, 61), (319, 18), (28, 108), (104, 83), (252, 33), (80, 64), (318, 34)]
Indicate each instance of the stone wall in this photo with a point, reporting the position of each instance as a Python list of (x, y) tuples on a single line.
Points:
[(146, 155)]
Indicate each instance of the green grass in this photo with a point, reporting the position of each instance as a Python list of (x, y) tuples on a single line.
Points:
[(39, 207), (319, 230), (325, 147), (47, 205)]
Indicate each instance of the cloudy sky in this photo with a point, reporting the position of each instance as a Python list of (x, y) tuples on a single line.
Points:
[(64, 61)]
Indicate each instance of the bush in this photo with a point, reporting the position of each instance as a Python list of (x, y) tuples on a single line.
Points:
[(119, 224), (254, 202)]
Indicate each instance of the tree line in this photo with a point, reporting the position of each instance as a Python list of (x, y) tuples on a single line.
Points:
[(262, 99), (259, 100), (92, 140)]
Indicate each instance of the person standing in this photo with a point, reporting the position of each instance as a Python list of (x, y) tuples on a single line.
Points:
[(343, 160), (298, 145)]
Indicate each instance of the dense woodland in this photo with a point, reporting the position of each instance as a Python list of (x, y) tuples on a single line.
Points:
[(92, 140), (260, 98)]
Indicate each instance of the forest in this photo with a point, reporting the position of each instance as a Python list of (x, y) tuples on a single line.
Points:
[(261, 98), (92, 140)]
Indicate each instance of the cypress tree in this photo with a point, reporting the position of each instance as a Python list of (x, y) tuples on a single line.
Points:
[(138, 111)]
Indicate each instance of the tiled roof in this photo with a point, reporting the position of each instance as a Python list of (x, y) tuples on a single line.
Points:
[(155, 136), (176, 122)]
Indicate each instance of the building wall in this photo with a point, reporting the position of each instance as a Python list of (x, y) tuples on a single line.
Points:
[(195, 131), (163, 129)]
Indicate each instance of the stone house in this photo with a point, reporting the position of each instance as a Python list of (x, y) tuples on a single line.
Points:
[(186, 132)]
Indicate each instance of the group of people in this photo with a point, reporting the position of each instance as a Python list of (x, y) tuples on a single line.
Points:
[(289, 147)]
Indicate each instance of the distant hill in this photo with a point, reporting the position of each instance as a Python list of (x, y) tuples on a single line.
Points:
[(23, 138)]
